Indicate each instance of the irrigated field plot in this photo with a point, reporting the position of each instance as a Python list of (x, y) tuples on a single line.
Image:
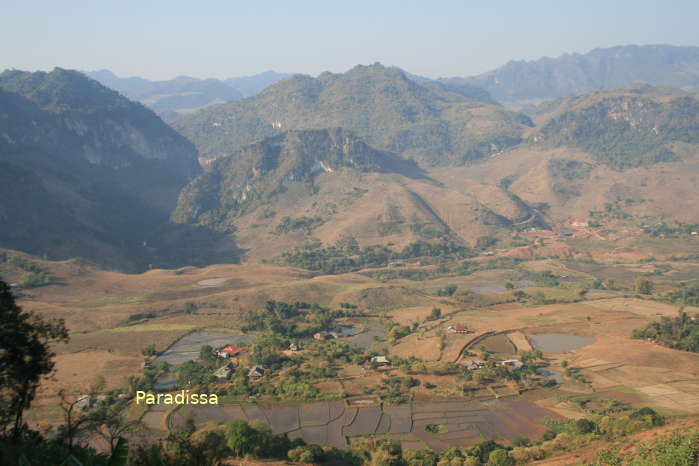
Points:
[(333, 423)]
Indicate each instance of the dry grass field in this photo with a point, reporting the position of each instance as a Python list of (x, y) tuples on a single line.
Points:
[(112, 316)]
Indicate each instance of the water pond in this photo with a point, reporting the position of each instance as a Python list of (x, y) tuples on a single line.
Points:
[(497, 288), (559, 342), (211, 282), (551, 374), (349, 331), (364, 338)]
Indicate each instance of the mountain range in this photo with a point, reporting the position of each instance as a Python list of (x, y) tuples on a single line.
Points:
[(519, 84), (578, 154), (387, 157), (523, 84), (172, 98), (433, 123)]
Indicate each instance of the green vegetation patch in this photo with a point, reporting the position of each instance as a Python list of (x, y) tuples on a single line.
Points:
[(119, 300), (680, 332), (437, 428)]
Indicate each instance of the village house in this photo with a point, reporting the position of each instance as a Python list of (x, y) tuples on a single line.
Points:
[(473, 364), (381, 361), (84, 402), (230, 351), (578, 223), (294, 347), (224, 372), (256, 372), (513, 363), (458, 329)]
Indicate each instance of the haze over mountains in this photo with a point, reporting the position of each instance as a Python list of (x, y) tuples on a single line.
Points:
[(86, 172), (519, 84), (525, 83), (386, 156), (172, 98)]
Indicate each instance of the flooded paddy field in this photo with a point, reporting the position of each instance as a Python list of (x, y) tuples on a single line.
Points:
[(335, 423), (498, 344), (187, 348), (364, 339), (559, 342)]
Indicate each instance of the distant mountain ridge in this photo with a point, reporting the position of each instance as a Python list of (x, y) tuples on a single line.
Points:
[(519, 83), (174, 97), (431, 122)]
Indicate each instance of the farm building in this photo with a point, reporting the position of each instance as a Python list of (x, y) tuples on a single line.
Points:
[(230, 351), (256, 372), (473, 364), (458, 329), (381, 360), (513, 363), (224, 372)]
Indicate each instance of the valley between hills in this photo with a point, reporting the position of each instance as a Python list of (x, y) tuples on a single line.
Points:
[(362, 260)]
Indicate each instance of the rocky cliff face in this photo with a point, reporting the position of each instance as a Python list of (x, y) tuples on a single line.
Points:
[(622, 128), (105, 171), (256, 173), (73, 119)]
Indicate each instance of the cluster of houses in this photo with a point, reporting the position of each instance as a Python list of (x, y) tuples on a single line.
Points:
[(231, 352), (475, 364), (458, 329)]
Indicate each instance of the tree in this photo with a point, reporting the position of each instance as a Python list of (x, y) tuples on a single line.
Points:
[(149, 350), (206, 354), (348, 244), (487, 241), (25, 357), (420, 457), (448, 290), (584, 426), (110, 423), (644, 286), (499, 457), (75, 419), (241, 439), (305, 454), (435, 314)]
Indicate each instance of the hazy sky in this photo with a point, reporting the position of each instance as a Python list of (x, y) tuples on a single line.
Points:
[(162, 39)]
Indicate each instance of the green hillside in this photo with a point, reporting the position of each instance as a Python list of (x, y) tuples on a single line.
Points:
[(624, 128), (255, 174), (431, 123)]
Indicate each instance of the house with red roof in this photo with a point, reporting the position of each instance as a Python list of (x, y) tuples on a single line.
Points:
[(230, 351)]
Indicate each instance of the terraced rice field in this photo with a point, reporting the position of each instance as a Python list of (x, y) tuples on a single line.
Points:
[(336, 423)]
